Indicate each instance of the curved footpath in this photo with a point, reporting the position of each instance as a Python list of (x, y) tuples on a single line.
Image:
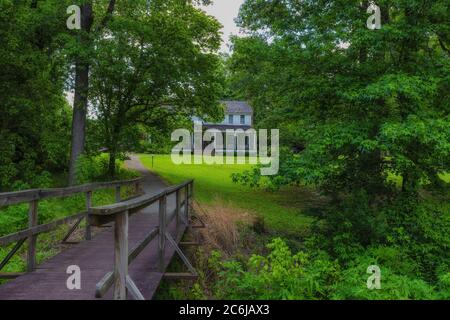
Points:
[(96, 257)]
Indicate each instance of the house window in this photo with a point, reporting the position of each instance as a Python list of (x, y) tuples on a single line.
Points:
[(242, 119), (230, 119)]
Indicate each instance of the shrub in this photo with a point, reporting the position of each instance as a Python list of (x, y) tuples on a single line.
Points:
[(283, 275), (13, 218), (421, 230), (280, 275), (444, 286), (394, 285), (417, 225), (95, 168), (90, 169)]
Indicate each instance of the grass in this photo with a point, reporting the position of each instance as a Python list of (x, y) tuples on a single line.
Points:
[(282, 211)]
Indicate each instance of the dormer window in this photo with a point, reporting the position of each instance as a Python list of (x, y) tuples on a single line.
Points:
[(242, 119), (230, 119)]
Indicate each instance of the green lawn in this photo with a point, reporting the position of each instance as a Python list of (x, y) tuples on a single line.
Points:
[(281, 210)]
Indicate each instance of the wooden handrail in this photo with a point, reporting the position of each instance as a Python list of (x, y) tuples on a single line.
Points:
[(98, 216), (33, 197), (30, 232), (132, 205), (135, 204), (174, 189), (10, 198)]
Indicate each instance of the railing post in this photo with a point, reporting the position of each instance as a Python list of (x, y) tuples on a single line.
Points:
[(32, 222), (118, 197), (178, 213), (186, 204), (88, 234), (189, 196), (120, 255), (162, 231), (136, 188)]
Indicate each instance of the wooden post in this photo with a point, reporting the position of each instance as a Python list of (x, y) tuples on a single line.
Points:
[(32, 222), (87, 233), (178, 213), (120, 256), (136, 188), (118, 197), (188, 201), (186, 204), (162, 231)]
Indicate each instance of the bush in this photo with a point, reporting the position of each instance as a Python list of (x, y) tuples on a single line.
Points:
[(421, 229), (90, 169), (13, 218), (280, 275), (95, 168), (419, 226), (393, 287), (398, 279), (283, 275), (37, 141)]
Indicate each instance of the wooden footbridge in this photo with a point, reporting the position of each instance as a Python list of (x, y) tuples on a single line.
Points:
[(127, 260)]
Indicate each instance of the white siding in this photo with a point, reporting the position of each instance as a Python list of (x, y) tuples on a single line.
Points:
[(237, 119)]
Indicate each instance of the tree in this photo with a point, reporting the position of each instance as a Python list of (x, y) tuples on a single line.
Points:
[(354, 105), (35, 118), (80, 104), (152, 68), (82, 60)]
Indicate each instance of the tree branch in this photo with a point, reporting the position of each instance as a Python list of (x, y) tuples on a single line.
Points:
[(441, 43), (108, 15)]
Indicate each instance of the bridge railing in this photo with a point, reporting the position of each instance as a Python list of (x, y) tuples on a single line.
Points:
[(34, 229), (119, 213)]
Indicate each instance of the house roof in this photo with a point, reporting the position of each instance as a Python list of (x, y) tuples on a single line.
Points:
[(224, 127), (237, 107)]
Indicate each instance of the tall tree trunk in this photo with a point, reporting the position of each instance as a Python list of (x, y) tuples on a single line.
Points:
[(112, 164), (363, 50), (114, 147), (81, 94), (82, 85), (79, 117)]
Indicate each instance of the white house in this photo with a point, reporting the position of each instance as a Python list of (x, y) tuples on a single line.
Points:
[(238, 116)]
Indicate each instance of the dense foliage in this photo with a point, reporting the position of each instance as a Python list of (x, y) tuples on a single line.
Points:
[(282, 275), (135, 68), (154, 68), (35, 118), (364, 118), (360, 103), (151, 65)]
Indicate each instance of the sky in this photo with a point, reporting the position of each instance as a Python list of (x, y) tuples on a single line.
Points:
[(225, 11)]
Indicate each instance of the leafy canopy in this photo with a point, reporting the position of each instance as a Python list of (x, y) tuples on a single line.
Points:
[(354, 105)]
